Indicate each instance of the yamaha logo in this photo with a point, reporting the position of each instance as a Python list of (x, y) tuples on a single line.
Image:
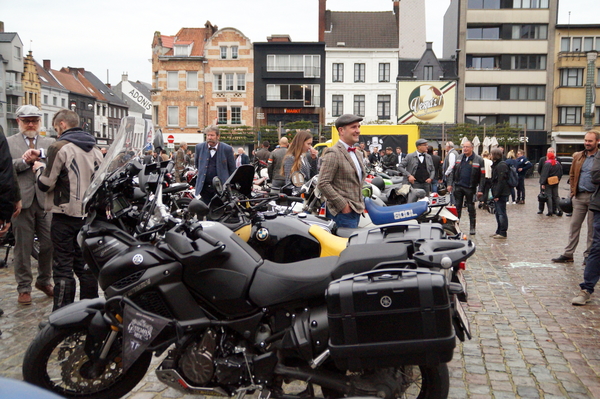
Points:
[(404, 214), (262, 234), (137, 259), (386, 301)]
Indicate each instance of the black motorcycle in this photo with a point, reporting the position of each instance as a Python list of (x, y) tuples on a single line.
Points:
[(366, 323)]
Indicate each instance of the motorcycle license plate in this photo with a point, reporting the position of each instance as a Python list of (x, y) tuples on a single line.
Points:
[(461, 279), (462, 317)]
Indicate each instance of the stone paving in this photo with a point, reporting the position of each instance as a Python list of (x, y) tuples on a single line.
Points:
[(528, 340)]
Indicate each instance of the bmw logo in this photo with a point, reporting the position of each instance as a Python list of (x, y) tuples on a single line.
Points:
[(137, 259), (262, 234), (386, 301)]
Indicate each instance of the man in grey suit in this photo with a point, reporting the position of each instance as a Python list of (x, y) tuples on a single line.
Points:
[(417, 167), (32, 219)]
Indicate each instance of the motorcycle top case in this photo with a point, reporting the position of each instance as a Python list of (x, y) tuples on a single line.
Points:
[(391, 317)]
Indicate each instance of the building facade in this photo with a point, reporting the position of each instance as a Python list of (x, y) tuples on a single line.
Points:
[(136, 95), (11, 87), (576, 86), (32, 88), (505, 52), (53, 96)]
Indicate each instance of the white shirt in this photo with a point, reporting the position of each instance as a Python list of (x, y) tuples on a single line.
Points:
[(355, 159)]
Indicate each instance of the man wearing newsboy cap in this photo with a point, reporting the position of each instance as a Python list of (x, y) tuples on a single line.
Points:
[(342, 174), (418, 167)]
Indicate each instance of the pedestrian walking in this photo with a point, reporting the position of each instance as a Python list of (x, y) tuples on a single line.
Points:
[(342, 174), (33, 220), (542, 161), (72, 161), (511, 160), (582, 188), (523, 165), (549, 180), (500, 193)]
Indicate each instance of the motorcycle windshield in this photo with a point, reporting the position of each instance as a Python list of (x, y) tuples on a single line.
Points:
[(241, 179), (134, 135)]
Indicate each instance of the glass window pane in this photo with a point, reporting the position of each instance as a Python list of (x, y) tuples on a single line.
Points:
[(543, 32), (475, 4), (296, 92), (565, 44), (588, 44), (489, 93), (576, 44), (241, 82), (522, 93), (192, 116), (472, 93), (514, 93)]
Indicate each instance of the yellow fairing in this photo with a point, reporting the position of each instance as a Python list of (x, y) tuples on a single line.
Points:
[(244, 232), (330, 245)]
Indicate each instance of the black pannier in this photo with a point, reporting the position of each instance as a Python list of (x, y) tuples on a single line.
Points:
[(390, 317)]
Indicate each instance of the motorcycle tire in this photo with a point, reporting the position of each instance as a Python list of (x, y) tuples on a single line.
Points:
[(450, 228), (435, 384), (65, 346)]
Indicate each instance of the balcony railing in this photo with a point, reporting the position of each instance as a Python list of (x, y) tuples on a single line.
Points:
[(14, 85), (12, 108)]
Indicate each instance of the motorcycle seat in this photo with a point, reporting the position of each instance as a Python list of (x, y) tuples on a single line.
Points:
[(330, 245), (276, 283), (396, 213), (361, 258)]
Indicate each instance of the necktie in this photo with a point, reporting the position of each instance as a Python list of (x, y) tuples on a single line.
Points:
[(31, 142), (351, 149)]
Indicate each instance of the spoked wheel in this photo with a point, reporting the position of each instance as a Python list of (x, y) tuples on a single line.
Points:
[(423, 382), (56, 361)]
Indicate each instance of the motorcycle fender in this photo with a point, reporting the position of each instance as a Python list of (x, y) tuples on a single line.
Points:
[(76, 313)]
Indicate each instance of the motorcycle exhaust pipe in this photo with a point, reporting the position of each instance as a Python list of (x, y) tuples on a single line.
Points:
[(321, 377)]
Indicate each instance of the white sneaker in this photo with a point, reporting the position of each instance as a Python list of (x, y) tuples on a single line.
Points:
[(514, 203)]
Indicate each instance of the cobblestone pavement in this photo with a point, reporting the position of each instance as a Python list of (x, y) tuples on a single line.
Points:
[(528, 340)]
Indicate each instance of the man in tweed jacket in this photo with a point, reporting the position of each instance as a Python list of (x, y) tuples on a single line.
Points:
[(342, 174)]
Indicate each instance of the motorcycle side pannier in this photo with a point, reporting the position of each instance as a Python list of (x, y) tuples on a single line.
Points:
[(391, 317)]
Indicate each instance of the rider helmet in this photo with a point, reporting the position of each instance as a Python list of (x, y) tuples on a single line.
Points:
[(566, 205)]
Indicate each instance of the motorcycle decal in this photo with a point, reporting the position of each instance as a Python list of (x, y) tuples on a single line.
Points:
[(262, 234), (137, 259), (139, 330), (404, 214), (386, 301)]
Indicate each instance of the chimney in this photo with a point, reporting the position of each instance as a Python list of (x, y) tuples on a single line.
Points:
[(47, 66), (279, 38), (397, 12), (428, 45), (322, 9), (124, 77)]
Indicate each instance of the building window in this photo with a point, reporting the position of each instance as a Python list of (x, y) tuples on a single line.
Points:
[(531, 62), (359, 72), (481, 93), (192, 116), (532, 122), (45, 99), (229, 82), (222, 115), (484, 4), (428, 72), (236, 115), (530, 3), (485, 33), (182, 50), (218, 82), (597, 116), (527, 93), (474, 62), (588, 43), (223, 52), (309, 94), (384, 105), (337, 73), (46, 121), (172, 80), (241, 82), (63, 102), (359, 105), (309, 64), (569, 115), (598, 77), (337, 105), (384, 72), (54, 101), (565, 44), (191, 80), (232, 81), (530, 32), (571, 77), (312, 66), (234, 52), (172, 116), (487, 120)]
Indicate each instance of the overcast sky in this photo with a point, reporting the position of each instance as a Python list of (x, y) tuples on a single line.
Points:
[(112, 37)]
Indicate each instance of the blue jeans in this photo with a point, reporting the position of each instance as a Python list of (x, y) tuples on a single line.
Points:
[(501, 216), (345, 219), (521, 188), (591, 273)]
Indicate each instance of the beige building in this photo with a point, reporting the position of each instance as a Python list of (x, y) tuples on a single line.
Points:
[(31, 82), (576, 81), (202, 76)]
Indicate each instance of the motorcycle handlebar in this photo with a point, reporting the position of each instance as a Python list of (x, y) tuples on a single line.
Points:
[(290, 198)]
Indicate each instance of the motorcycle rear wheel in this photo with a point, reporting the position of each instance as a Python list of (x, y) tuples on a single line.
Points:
[(55, 361)]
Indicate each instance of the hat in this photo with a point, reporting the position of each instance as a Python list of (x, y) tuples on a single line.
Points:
[(28, 111), (346, 119), (420, 142)]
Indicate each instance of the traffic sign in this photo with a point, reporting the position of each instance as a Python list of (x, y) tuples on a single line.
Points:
[(170, 139)]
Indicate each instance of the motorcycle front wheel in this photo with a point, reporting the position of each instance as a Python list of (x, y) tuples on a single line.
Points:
[(56, 361)]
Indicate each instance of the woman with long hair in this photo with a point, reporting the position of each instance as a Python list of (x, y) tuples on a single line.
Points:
[(511, 160), (296, 157)]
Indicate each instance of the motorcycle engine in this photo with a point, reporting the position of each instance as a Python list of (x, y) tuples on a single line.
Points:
[(196, 362)]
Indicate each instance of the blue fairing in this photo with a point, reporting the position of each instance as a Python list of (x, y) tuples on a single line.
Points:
[(397, 213)]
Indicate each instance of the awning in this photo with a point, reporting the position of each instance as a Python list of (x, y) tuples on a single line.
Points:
[(568, 137)]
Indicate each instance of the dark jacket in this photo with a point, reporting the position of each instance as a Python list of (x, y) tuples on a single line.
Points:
[(7, 182), (595, 200), (225, 163), (500, 185), (477, 174), (549, 170), (390, 161), (523, 164), (437, 165), (275, 163), (263, 154)]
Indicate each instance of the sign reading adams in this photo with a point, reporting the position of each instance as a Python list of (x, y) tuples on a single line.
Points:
[(432, 101)]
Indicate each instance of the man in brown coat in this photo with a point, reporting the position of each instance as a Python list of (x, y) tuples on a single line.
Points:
[(342, 174)]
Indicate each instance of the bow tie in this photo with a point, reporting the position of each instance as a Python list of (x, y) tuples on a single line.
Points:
[(212, 148), (351, 149), (421, 154)]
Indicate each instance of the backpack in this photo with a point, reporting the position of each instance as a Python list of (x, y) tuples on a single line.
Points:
[(513, 177)]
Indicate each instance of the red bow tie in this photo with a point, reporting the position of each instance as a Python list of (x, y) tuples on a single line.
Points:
[(351, 149)]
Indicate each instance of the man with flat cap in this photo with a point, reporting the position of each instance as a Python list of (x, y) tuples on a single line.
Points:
[(342, 174), (417, 167)]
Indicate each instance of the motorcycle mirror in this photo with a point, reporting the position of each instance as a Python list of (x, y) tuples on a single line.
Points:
[(198, 207), (217, 185), (134, 167), (297, 179), (158, 140)]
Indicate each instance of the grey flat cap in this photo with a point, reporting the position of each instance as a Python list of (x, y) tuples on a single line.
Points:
[(28, 111), (421, 141), (347, 119)]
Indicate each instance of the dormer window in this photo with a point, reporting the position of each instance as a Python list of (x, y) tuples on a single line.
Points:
[(182, 50)]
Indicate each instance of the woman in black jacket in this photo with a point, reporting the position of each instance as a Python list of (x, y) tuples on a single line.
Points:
[(552, 170), (500, 192)]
